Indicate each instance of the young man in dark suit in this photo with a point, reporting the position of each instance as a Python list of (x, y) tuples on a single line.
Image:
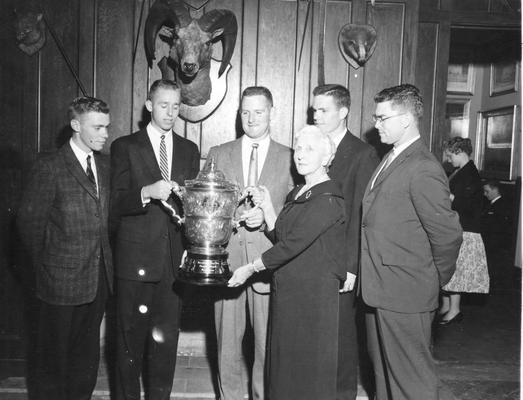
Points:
[(352, 167), (410, 239), (148, 245), (63, 222)]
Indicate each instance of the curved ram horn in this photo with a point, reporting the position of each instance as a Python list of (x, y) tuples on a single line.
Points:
[(225, 20), (163, 12)]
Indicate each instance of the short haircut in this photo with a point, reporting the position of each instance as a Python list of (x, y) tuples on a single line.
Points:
[(458, 145), (161, 84), (325, 140), (339, 93), (493, 184), (406, 96), (85, 104), (258, 91)]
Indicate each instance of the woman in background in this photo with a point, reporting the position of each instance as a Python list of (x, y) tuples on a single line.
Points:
[(466, 190), (308, 263)]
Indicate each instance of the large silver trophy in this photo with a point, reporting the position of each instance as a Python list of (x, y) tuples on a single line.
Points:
[(209, 202)]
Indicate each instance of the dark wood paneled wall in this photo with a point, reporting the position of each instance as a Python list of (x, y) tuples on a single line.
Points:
[(100, 37)]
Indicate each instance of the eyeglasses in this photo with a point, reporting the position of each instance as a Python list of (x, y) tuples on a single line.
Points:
[(381, 118)]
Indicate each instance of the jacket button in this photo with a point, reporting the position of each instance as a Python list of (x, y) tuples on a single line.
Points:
[(97, 215)]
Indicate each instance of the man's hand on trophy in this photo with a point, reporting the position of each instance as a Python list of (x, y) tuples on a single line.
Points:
[(182, 261), (241, 275), (175, 187), (160, 190)]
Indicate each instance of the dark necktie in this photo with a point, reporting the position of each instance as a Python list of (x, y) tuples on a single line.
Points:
[(164, 161), (252, 177), (90, 174)]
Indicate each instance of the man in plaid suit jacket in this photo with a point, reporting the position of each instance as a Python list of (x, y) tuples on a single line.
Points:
[(63, 222)]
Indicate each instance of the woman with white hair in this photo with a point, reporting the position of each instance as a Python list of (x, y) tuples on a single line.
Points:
[(308, 264)]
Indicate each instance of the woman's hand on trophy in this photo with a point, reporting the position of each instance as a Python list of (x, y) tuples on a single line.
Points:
[(241, 275), (261, 197), (253, 217)]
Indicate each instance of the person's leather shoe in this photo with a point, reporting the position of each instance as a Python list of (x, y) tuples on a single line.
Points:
[(456, 318)]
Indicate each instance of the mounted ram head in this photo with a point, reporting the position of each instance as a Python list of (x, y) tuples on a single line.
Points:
[(190, 46)]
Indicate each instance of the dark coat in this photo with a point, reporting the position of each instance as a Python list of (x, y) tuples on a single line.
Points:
[(465, 185), (64, 225), (146, 241), (352, 167), (308, 260), (410, 237)]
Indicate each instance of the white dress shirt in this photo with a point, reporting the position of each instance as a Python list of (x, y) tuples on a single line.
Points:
[(81, 155)]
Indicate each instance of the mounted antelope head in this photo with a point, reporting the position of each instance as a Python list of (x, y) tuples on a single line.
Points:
[(190, 46)]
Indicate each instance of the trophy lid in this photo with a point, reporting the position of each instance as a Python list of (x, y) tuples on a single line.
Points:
[(211, 177)]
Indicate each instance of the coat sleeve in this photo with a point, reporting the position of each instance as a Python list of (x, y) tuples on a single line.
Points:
[(368, 161), (430, 196), (125, 199), (33, 214), (320, 214)]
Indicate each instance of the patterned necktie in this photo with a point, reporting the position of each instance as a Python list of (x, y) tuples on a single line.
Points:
[(252, 178), (90, 174), (164, 161)]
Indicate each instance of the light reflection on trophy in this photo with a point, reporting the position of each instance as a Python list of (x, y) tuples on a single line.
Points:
[(209, 202)]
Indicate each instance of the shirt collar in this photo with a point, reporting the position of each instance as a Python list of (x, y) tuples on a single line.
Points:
[(247, 141), (397, 150), (152, 130), (337, 137), (78, 152)]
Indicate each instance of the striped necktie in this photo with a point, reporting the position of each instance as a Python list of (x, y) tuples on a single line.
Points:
[(164, 161), (90, 174)]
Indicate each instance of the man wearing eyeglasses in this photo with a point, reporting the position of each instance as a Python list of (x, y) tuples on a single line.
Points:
[(352, 168), (410, 240)]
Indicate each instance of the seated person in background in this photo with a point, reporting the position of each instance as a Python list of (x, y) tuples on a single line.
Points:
[(496, 220), (308, 260), (496, 230)]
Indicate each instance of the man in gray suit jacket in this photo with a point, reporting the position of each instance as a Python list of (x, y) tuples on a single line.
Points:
[(248, 241), (410, 240), (63, 223)]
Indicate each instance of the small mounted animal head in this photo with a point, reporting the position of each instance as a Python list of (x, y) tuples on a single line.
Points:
[(30, 31), (190, 39), (357, 43)]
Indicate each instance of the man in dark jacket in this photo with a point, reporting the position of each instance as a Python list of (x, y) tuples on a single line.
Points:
[(351, 168), (148, 245), (63, 222)]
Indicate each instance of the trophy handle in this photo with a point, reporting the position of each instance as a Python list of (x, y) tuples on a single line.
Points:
[(172, 212)]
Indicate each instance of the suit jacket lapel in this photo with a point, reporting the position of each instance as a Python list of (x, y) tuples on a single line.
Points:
[(268, 171), (178, 158), (103, 183), (395, 163), (337, 168), (75, 168), (236, 160), (145, 149)]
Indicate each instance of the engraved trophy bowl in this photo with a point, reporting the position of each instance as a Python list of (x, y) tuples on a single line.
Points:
[(209, 202)]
